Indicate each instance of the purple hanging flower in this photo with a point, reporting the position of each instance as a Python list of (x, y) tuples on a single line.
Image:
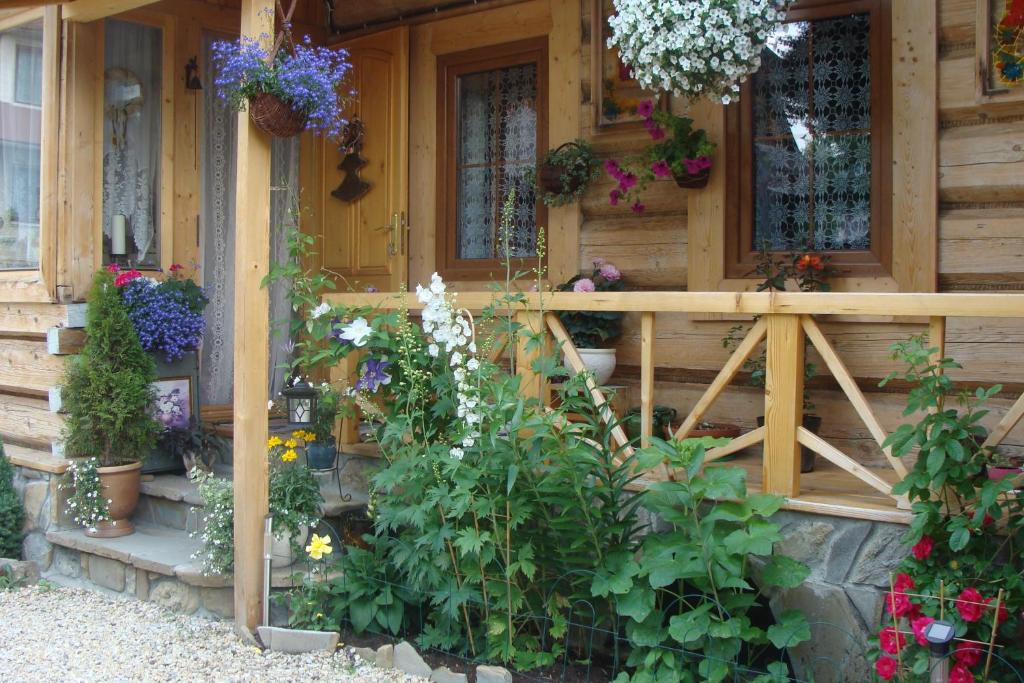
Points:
[(374, 375)]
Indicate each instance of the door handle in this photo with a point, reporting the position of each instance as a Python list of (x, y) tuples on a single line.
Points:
[(396, 230)]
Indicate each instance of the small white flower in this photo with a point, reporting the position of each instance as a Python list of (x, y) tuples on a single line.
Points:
[(457, 453), (433, 350), (320, 310), (472, 364), (356, 332)]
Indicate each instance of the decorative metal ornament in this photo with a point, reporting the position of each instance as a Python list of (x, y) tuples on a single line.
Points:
[(192, 81), (352, 187), (302, 399)]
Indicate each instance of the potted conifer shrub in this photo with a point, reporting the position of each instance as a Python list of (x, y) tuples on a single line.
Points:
[(108, 400)]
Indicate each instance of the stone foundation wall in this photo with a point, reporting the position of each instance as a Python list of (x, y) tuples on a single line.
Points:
[(44, 502)]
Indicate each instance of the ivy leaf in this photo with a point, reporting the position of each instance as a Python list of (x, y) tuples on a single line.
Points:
[(784, 572), (791, 629)]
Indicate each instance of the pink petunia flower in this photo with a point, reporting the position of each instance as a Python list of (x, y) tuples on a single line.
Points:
[(657, 133), (661, 169), (692, 166), (637, 208), (612, 169), (703, 162), (645, 109), (584, 284), (627, 182), (610, 272), (613, 197)]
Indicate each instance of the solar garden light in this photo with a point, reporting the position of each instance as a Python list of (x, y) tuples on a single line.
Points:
[(301, 398), (939, 635)]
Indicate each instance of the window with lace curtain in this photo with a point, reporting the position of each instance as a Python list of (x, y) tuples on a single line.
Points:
[(813, 164), (492, 121)]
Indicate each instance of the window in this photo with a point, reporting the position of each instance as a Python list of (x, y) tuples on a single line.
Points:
[(21, 84), (492, 123), (132, 118), (813, 163)]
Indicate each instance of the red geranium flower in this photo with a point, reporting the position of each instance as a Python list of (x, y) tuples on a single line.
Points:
[(923, 548), (903, 583), (960, 674), (175, 267), (113, 268), (886, 668), (918, 626), (891, 641), (968, 654), (126, 277), (970, 604)]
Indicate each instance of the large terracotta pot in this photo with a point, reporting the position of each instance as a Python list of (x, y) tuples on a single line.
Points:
[(601, 362), (119, 485)]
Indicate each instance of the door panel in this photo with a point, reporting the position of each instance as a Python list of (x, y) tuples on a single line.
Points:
[(365, 241)]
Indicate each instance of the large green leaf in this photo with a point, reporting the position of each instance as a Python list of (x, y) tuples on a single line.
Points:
[(637, 603), (784, 572), (791, 629), (756, 539), (689, 627)]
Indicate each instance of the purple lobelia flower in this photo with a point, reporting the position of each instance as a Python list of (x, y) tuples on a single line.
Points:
[(374, 375), (167, 316)]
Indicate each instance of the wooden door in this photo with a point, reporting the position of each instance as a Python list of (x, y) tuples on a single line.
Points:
[(366, 239)]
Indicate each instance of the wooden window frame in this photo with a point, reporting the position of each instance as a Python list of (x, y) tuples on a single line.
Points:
[(449, 68), (740, 254)]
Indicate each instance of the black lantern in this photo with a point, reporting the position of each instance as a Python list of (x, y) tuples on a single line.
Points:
[(301, 397)]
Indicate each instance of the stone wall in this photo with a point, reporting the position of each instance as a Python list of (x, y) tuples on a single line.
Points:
[(41, 495)]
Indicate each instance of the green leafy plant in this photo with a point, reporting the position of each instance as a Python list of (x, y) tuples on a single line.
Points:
[(593, 329), (691, 587), (198, 445), (12, 515), (966, 533), (328, 407), (566, 171), (107, 388)]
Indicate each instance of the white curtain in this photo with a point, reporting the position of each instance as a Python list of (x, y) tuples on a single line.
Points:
[(217, 182), (131, 135), (21, 85)]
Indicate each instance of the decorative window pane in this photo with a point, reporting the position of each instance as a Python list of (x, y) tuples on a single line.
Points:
[(21, 85), (812, 137), (131, 143), (496, 137)]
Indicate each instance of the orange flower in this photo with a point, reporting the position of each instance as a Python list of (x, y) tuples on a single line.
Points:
[(812, 261)]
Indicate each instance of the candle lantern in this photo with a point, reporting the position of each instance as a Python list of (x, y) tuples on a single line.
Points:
[(301, 398)]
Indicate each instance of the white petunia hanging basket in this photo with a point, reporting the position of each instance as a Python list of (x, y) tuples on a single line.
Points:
[(696, 48)]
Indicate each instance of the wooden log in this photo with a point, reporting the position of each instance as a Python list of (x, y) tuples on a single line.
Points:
[(783, 405), (28, 366), (29, 422), (37, 319), (63, 341), (646, 378)]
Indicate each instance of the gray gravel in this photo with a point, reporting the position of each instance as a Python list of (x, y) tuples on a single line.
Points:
[(66, 635)]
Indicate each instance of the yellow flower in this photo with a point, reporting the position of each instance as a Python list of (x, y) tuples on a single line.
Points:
[(289, 455), (298, 434), (291, 443), (319, 546), (273, 441), (309, 437)]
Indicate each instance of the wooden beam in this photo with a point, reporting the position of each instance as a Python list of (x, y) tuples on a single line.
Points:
[(63, 341), (1009, 421), (91, 10), (531, 383), (38, 318), (647, 337), (836, 456), (747, 440), (252, 331), (28, 365), (783, 405), (49, 174)]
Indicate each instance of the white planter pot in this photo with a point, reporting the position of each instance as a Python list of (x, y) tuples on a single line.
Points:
[(281, 548), (601, 362)]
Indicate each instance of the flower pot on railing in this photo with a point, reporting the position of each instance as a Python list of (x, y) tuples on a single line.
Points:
[(811, 423), (600, 362), (276, 117), (693, 181)]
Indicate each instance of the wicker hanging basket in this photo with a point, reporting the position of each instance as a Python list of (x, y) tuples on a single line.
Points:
[(693, 181), (276, 117)]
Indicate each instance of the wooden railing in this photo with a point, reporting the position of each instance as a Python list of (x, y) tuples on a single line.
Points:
[(783, 320)]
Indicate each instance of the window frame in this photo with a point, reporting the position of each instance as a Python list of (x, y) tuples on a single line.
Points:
[(740, 255), (450, 67), (19, 49)]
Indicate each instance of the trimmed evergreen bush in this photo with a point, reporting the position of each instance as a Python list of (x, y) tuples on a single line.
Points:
[(12, 516), (107, 392)]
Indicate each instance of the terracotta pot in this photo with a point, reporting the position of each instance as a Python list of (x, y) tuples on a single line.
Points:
[(693, 182), (276, 117), (717, 431), (120, 485), (601, 362)]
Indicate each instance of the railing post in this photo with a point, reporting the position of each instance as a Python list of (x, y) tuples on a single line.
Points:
[(646, 377), (345, 372), (783, 404), (532, 384)]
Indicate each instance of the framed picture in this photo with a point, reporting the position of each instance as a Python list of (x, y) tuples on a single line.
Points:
[(616, 93), (173, 406), (1000, 51)]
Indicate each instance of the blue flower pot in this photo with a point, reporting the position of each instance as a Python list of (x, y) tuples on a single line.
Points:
[(320, 456)]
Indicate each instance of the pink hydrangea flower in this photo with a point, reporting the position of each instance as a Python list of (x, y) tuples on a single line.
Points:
[(610, 273), (584, 284), (661, 169), (598, 262)]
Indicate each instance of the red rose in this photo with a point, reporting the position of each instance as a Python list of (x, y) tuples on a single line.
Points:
[(1003, 614), (886, 668), (970, 604), (923, 548), (903, 583), (918, 626), (968, 654), (960, 674), (898, 604), (891, 641)]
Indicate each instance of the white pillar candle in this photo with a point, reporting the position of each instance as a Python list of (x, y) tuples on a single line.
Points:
[(118, 232)]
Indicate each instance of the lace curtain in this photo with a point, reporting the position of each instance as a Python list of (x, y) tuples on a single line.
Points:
[(812, 136), (131, 137), (20, 127), (217, 182), (497, 147)]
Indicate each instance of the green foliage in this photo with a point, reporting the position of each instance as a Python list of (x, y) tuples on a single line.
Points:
[(107, 390), (12, 515), (328, 406), (578, 168), (691, 586), (594, 329)]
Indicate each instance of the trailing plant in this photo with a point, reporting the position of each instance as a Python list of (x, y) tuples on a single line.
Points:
[(682, 154), (86, 503), (691, 588), (107, 388), (309, 77), (576, 166), (593, 329), (12, 515), (167, 314), (218, 529), (966, 533)]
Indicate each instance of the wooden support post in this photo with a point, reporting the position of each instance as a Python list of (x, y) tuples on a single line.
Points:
[(646, 378), (252, 331), (783, 404), (345, 373), (532, 384)]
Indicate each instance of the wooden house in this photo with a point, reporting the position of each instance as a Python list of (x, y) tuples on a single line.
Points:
[(107, 108)]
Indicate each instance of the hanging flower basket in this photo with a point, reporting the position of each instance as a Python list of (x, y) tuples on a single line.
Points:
[(696, 48), (693, 181), (276, 117)]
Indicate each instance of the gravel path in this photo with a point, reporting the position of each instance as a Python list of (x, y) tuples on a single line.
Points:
[(66, 635)]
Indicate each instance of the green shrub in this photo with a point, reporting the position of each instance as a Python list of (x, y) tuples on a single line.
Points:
[(107, 388), (12, 516)]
